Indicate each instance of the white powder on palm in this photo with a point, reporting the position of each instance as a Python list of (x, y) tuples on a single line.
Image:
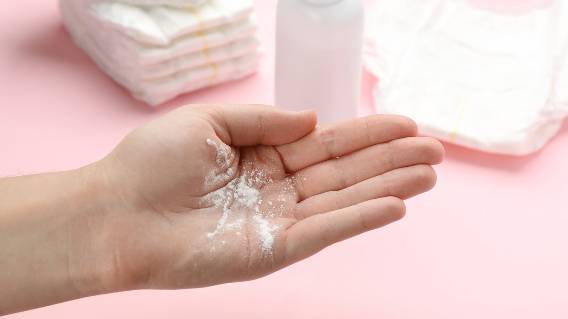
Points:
[(224, 156), (266, 232), (224, 159), (237, 195), (238, 198)]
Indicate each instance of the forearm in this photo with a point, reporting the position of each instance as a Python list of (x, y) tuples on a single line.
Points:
[(48, 241)]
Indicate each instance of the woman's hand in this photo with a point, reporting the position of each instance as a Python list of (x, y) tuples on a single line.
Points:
[(216, 194), (203, 196)]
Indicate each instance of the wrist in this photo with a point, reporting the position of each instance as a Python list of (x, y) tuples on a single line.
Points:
[(52, 229), (93, 237), (116, 206)]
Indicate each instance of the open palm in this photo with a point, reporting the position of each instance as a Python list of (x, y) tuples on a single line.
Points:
[(216, 194)]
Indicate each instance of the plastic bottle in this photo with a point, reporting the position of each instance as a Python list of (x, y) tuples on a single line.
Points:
[(318, 56)]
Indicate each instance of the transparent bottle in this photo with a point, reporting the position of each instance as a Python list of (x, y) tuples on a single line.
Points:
[(318, 56)]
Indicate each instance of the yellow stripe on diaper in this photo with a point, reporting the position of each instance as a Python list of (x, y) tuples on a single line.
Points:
[(201, 33)]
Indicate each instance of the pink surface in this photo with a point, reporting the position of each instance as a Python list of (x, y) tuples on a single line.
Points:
[(489, 242)]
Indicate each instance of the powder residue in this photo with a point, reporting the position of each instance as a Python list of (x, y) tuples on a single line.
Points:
[(266, 232), (224, 159), (240, 200), (238, 195), (224, 156)]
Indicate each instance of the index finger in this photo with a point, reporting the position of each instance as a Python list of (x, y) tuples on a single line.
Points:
[(341, 139)]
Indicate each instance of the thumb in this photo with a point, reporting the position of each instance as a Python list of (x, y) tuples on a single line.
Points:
[(249, 125)]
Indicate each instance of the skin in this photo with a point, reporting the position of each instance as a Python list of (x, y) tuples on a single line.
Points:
[(139, 218)]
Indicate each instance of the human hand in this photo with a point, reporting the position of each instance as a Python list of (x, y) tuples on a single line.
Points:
[(216, 194)]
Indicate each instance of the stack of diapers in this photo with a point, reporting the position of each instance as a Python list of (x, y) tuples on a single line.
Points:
[(159, 49), (489, 80)]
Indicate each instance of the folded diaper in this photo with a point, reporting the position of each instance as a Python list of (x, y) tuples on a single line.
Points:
[(162, 24), (167, 89), (196, 47), (234, 49), (127, 56), (214, 38), (487, 80)]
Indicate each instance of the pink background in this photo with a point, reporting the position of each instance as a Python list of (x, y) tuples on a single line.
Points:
[(491, 241)]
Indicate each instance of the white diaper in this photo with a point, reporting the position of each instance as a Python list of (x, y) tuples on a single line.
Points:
[(482, 79), (162, 91), (160, 25), (207, 56), (214, 38)]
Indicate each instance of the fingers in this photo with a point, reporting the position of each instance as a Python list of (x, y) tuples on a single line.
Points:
[(337, 174), (251, 125), (402, 183), (320, 231), (344, 138)]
